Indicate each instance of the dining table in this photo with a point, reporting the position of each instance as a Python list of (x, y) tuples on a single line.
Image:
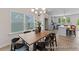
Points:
[(32, 37)]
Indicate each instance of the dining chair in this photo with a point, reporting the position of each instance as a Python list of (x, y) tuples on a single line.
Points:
[(73, 29), (18, 46), (41, 46), (53, 41), (47, 40), (26, 32)]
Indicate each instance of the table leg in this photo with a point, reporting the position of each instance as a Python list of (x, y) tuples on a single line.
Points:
[(34, 47)]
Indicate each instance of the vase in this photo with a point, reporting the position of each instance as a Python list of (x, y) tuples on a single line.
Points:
[(39, 29)]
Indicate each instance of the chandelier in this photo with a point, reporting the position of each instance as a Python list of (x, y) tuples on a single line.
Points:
[(38, 11)]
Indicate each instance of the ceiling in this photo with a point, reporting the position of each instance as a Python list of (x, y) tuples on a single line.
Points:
[(62, 11)]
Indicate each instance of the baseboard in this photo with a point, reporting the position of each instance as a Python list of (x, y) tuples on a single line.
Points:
[(4, 45)]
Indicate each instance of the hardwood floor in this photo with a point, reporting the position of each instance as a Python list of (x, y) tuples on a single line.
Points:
[(67, 44)]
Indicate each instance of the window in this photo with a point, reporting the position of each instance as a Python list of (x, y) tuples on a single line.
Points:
[(29, 22), (63, 20), (59, 20), (21, 22), (17, 23), (78, 22), (68, 19)]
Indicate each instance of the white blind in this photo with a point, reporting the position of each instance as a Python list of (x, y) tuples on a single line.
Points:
[(21, 22), (17, 22)]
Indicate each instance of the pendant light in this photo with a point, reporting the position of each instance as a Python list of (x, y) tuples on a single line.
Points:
[(64, 14)]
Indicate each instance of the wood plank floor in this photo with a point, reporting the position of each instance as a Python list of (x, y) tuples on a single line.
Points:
[(67, 44)]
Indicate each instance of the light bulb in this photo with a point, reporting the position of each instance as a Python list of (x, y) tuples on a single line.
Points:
[(35, 12), (44, 11), (40, 12), (32, 10)]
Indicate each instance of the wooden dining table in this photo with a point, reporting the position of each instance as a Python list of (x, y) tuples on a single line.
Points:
[(32, 37)]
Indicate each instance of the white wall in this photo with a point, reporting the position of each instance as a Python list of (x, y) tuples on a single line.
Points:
[(4, 27)]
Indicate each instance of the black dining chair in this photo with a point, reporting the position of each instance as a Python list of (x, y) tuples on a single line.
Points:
[(41, 46), (47, 40), (53, 38), (26, 32), (33, 30), (53, 41), (18, 46)]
